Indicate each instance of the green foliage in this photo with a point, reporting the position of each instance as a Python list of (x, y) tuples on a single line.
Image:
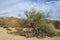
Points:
[(38, 21), (34, 19)]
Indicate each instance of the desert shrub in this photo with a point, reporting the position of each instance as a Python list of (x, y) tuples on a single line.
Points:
[(38, 21)]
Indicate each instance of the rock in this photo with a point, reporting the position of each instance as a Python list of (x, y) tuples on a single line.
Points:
[(27, 32), (27, 29)]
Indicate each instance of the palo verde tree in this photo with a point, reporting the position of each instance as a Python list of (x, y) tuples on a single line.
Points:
[(34, 18), (37, 20)]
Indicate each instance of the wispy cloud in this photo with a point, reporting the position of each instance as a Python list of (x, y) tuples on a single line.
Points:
[(14, 7)]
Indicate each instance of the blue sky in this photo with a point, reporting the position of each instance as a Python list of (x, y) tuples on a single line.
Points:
[(14, 7)]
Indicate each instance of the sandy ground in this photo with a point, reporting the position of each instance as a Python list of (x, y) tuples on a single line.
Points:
[(5, 36)]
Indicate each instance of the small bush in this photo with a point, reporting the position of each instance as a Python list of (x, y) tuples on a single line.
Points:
[(38, 21), (49, 30)]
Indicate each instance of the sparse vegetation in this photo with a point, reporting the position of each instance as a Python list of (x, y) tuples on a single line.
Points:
[(38, 21), (8, 22), (36, 24)]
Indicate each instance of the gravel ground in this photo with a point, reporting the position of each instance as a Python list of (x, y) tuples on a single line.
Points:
[(5, 36)]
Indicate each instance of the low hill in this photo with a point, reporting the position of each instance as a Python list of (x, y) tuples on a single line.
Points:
[(12, 22), (55, 23), (8, 21)]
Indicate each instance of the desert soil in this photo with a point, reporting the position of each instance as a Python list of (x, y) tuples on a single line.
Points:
[(5, 36)]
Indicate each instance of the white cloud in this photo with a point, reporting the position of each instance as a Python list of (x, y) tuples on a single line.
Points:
[(55, 7), (13, 7)]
